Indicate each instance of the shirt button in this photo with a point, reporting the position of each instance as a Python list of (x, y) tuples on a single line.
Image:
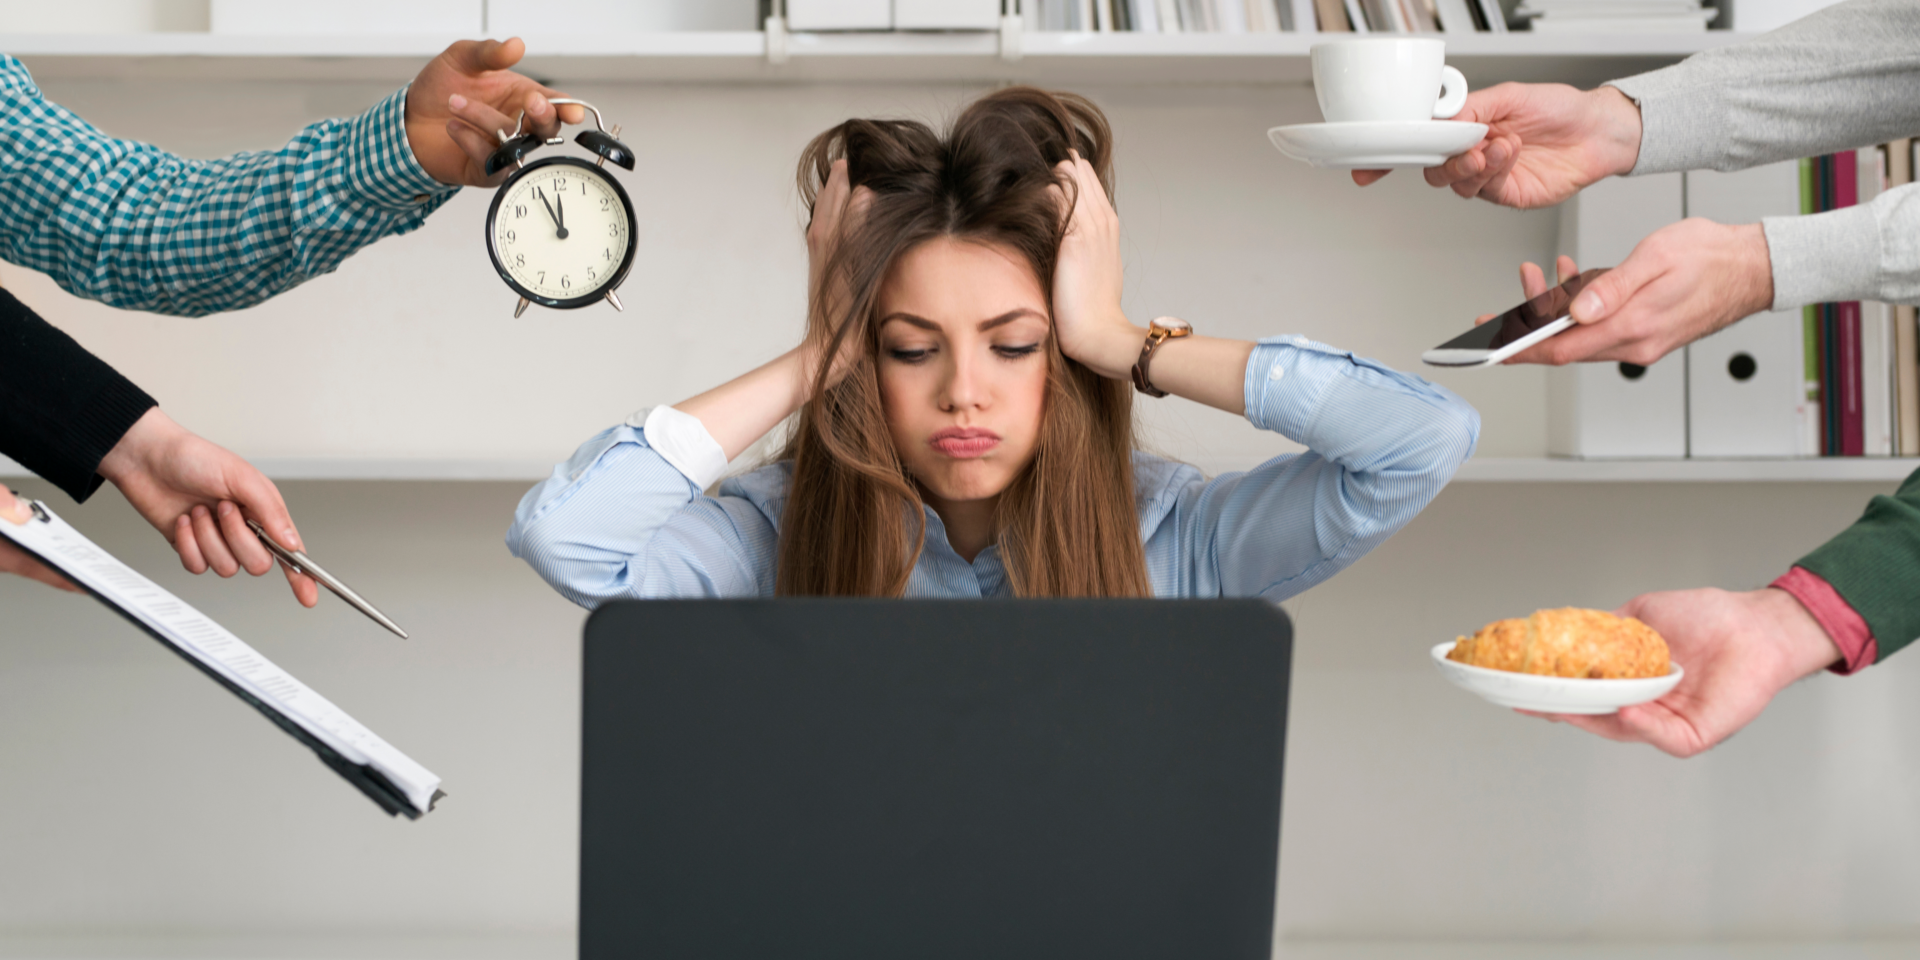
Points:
[(575, 475), (421, 198), (1276, 373), (1299, 341)]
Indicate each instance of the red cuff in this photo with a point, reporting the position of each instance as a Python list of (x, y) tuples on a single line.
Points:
[(1835, 615)]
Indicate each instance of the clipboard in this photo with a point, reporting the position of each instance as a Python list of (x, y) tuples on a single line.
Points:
[(388, 777)]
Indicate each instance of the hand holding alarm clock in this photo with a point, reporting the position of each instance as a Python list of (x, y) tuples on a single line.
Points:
[(560, 231)]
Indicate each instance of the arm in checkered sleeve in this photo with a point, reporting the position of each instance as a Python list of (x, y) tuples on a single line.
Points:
[(139, 228)]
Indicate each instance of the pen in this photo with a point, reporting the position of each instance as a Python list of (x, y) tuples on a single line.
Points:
[(302, 563)]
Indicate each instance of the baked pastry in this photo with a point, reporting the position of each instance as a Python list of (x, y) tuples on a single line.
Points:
[(1568, 642)]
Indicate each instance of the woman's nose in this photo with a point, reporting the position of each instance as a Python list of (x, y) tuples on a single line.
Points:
[(962, 388)]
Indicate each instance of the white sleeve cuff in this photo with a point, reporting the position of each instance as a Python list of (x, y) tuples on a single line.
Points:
[(682, 440)]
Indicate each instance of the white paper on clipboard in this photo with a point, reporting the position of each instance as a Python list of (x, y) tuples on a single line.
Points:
[(195, 635)]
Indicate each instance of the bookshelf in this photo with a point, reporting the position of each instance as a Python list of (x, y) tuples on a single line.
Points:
[(732, 57)]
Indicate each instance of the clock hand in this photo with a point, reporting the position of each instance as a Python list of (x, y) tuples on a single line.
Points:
[(557, 225), (560, 204)]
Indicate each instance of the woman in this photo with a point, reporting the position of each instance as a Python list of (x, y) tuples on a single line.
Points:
[(973, 436)]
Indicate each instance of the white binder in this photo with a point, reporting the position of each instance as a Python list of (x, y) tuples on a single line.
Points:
[(1746, 384), (946, 14), (507, 18), (1599, 410), (445, 18), (840, 14)]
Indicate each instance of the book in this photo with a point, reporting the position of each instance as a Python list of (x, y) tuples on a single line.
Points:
[(1846, 192), (1906, 378), (1421, 15), (1357, 17), (1876, 330), (1811, 422), (1167, 12), (1829, 347), (1852, 392), (1144, 15), (388, 777), (1493, 14), (1456, 16), (1297, 15), (1876, 379), (1619, 25), (1906, 337), (1378, 16), (1331, 16)]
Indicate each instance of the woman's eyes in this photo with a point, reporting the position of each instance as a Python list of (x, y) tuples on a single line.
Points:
[(919, 355)]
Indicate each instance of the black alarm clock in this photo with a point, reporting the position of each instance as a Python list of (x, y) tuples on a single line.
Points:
[(560, 230)]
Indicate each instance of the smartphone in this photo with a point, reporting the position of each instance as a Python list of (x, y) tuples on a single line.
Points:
[(1513, 331)]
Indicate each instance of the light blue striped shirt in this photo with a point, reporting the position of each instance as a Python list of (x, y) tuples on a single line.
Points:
[(617, 521)]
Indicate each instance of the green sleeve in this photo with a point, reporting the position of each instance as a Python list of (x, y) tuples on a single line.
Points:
[(1875, 565)]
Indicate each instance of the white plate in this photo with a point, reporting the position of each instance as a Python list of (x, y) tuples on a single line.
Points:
[(1377, 146), (1527, 691)]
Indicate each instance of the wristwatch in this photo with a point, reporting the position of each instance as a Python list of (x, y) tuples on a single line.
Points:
[(1159, 331)]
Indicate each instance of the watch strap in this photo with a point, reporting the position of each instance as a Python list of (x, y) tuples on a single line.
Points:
[(1156, 335)]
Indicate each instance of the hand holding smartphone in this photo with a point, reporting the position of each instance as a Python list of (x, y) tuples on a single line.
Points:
[(1513, 331)]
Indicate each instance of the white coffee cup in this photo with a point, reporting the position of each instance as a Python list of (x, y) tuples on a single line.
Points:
[(1394, 79)]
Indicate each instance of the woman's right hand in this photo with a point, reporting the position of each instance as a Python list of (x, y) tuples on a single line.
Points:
[(15, 560), (742, 410), (836, 209)]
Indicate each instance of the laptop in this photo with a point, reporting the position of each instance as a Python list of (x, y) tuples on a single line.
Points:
[(930, 779)]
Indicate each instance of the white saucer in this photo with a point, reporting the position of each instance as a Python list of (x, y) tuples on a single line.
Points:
[(1527, 691), (1377, 146)]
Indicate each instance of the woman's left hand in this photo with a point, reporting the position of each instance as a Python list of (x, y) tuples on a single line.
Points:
[(1087, 278)]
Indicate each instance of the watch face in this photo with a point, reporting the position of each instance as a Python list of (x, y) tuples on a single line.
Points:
[(1173, 324), (561, 232)]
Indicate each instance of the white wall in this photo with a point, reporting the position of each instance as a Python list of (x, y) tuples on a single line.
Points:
[(142, 802), (411, 349)]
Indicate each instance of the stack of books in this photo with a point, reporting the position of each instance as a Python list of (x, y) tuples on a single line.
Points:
[(1266, 16), (1161, 16), (1617, 16), (1862, 359)]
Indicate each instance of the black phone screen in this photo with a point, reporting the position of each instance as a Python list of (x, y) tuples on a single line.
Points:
[(1525, 318)]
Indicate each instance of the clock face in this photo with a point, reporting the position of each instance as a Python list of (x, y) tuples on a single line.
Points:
[(561, 232)]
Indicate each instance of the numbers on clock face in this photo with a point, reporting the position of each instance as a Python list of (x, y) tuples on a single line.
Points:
[(561, 231)]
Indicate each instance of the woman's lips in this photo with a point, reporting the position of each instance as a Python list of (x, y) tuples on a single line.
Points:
[(964, 443)]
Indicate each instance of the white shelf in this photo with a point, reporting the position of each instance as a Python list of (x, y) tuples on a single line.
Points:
[(1557, 470), (1134, 58), (1812, 469), (304, 468), (1484, 470)]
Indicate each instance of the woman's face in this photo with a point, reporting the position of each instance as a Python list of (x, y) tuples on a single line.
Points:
[(963, 365)]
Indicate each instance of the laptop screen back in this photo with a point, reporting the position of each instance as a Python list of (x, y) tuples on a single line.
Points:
[(932, 779)]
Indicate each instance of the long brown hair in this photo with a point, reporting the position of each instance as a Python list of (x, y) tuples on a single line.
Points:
[(854, 521)]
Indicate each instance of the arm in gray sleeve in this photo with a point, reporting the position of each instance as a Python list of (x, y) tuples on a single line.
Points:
[(1866, 252), (1844, 77)]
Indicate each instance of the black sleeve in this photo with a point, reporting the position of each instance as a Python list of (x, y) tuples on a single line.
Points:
[(61, 408)]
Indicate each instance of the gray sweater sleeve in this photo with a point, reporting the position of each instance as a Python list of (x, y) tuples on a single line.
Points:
[(1847, 76)]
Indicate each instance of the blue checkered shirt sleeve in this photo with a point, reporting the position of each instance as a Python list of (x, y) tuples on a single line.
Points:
[(131, 225)]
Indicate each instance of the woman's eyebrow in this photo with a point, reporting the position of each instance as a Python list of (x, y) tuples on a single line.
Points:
[(1009, 317), (921, 322), (985, 325)]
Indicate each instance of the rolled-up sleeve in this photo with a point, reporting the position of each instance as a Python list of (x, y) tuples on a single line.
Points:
[(618, 521), (1381, 444)]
